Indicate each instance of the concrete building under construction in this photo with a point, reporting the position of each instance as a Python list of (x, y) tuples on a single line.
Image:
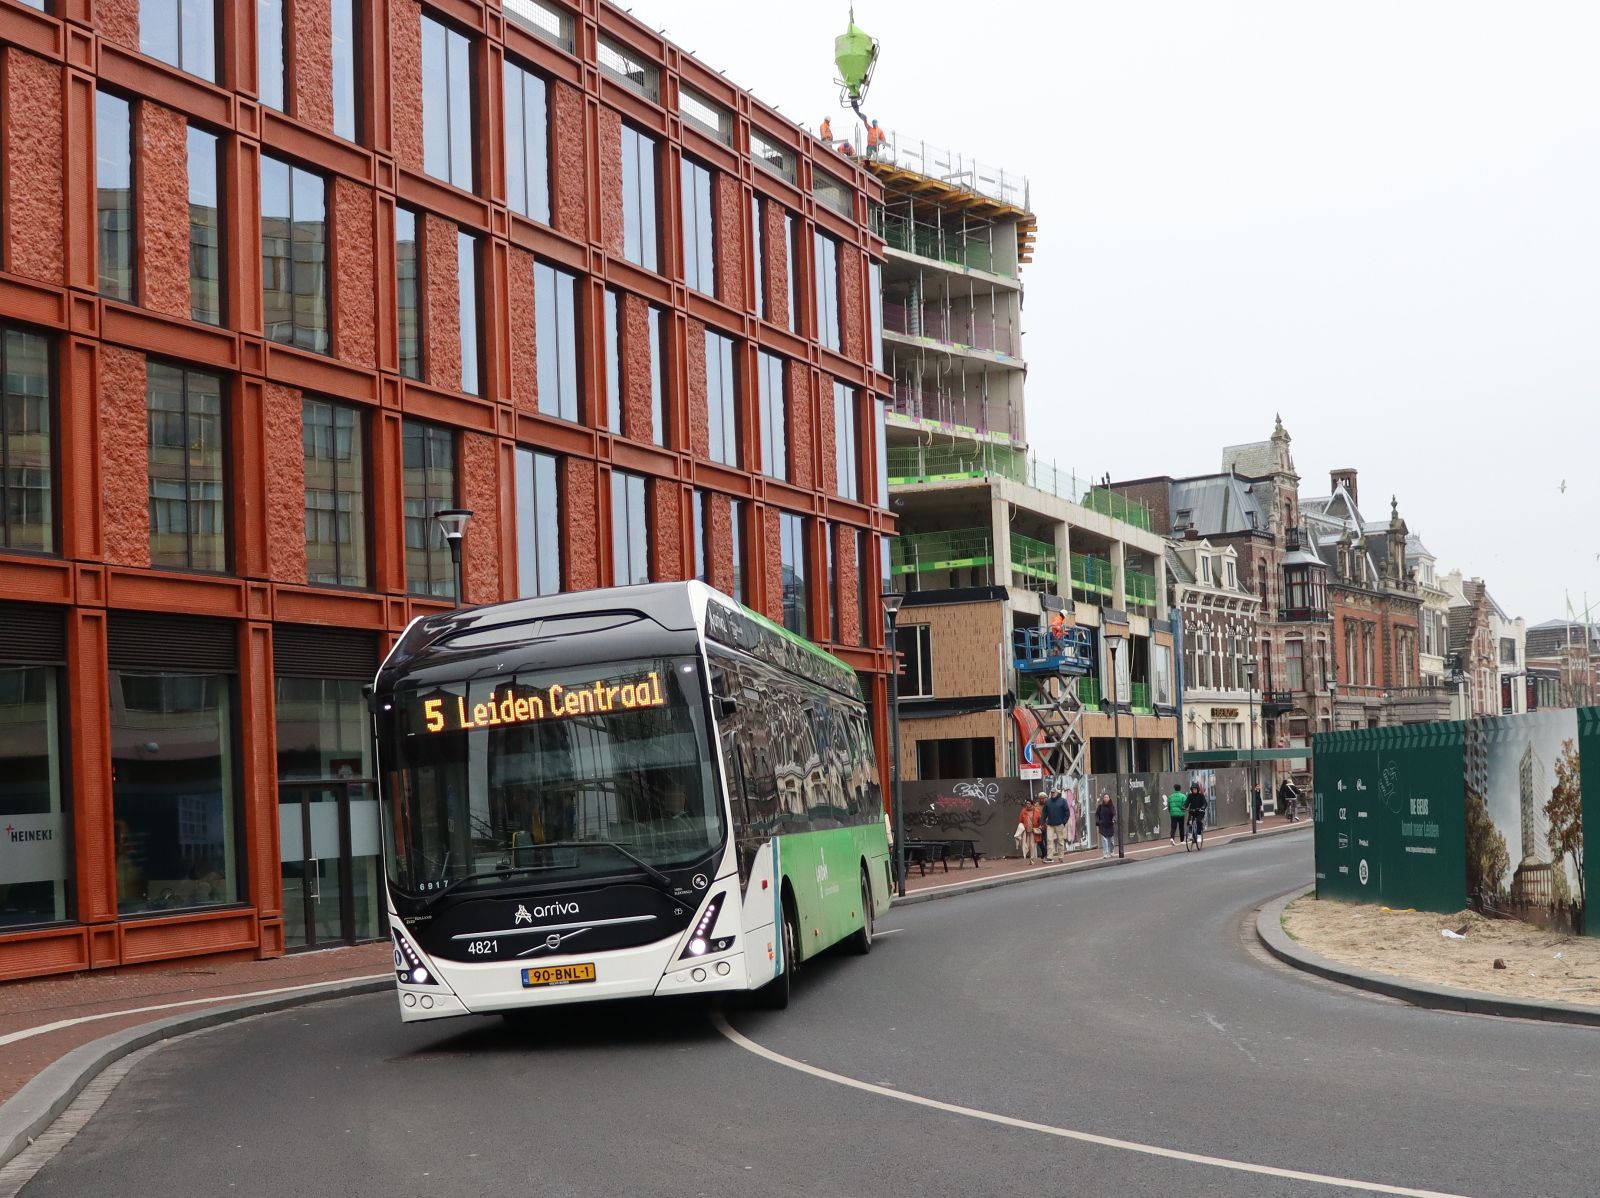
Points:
[(993, 542)]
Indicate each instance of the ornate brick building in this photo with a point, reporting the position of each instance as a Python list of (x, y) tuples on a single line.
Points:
[(281, 280)]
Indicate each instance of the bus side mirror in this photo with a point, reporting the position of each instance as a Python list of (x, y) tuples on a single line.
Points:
[(726, 705)]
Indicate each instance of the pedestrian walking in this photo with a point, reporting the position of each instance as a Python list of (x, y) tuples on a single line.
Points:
[(1105, 819), (1028, 827), (1175, 805), (1056, 815), (1255, 802)]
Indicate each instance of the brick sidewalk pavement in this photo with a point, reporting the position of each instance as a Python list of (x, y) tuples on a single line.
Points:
[(116, 999)]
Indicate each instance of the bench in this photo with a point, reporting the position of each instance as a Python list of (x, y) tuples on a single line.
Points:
[(924, 851)]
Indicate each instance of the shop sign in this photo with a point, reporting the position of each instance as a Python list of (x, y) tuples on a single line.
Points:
[(33, 848), (1224, 713)]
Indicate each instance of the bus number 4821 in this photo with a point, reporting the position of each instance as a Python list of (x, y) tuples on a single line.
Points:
[(482, 948)]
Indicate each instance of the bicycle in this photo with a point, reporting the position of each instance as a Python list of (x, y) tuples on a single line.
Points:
[(1195, 839)]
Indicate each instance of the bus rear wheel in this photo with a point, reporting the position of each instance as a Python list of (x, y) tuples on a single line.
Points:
[(774, 996), (861, 940)]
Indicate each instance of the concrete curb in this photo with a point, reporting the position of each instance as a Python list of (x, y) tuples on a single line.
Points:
[(1269, 930), (35, 1107), (957, 889)]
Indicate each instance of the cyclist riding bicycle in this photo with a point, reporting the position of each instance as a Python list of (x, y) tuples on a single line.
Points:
[(1195, 810)]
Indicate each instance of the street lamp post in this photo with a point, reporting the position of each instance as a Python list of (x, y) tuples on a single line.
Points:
[(1255, 785), (453, 524), (891, 607), (1114, 643)]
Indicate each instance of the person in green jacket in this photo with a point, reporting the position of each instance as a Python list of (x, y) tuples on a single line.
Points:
[(1175, 806)]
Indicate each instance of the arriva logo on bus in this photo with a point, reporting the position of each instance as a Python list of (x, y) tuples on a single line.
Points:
[(559, 702)]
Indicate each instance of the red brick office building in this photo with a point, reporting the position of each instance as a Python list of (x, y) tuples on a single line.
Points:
[(280, 280)]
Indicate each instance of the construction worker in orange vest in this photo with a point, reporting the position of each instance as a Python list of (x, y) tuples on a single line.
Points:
[(827, 130)]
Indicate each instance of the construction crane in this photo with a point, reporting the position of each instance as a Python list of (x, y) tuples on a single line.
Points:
[(855, 53)]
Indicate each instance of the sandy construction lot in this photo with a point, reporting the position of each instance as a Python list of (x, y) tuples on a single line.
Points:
[(1539, 965)]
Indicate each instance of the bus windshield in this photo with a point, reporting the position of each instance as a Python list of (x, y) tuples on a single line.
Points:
[(515, 777)]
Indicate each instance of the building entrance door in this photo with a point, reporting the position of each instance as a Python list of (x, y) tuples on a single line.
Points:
[(331, 862)]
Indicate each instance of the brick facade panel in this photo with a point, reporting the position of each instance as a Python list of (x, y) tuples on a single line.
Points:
[(666, 532), (480, 493), (611, 231), (125, 456), (355, 277), (580, 548), (118, 21), (775, 248), (730, 239), (286, 474), (719, 541), (523, 343), (35, 188), (634, 353), (828, 439), (569, 193), (802, 450), (313, 61), (771, 548), (441, 303), (699, 421), (405, 81), (852, 311), (844, 564)]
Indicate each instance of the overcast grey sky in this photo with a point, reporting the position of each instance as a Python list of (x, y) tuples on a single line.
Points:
[(1380, 218)]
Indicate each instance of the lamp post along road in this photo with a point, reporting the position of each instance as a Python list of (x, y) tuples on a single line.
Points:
[(891, 608), (453, 524), (1114, 643), (1255, 785)]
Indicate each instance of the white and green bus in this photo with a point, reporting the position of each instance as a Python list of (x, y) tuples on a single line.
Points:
[(620, 793)]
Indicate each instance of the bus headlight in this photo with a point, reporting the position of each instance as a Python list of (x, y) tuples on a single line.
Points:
[(701, 941), (408, 966)]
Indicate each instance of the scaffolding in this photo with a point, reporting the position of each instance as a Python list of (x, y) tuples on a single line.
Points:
[(946, 461), (1092, 575), (1034, 564), (960, 549)]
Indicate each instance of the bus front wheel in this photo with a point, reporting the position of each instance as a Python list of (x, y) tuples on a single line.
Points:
[(861, 939), (775, 994)]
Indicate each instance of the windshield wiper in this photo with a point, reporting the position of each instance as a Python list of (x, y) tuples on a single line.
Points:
[(504, 871), (655, 874)]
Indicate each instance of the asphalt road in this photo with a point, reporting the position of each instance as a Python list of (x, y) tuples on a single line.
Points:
[(1123, 1003)]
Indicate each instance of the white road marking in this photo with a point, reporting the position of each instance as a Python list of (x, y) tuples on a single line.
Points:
[(887, 932), (28, 1033), (1067, 1133)]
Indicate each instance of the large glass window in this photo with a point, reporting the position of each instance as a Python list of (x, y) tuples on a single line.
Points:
[(774, 416), (658, 378), (639, 199), (736, 527), (113, 189), (827, 268), (27, 463), (269, 53), (722, 400), (830, 537), (188, 517), (880, 453), (527, 143), (623, 763), (538, 525), (346, 77), (1294, 660), (613, 362), (446, 104), (336, 507), (699, 245), (866, 601), (555, 327), (407, 261), (205, 228), (35, 887), (702, 568), (791, 242), (758, 255), (172, 761), (181, 32), (467, 301), (630, 530), (846, 465), (792, 555), (430, 485), (875, 310), (294, 256)]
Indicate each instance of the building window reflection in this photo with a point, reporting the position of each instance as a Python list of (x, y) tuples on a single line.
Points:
[(36, 856)]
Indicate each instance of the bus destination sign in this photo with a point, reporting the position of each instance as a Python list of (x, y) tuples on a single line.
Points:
[(452, 713)]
